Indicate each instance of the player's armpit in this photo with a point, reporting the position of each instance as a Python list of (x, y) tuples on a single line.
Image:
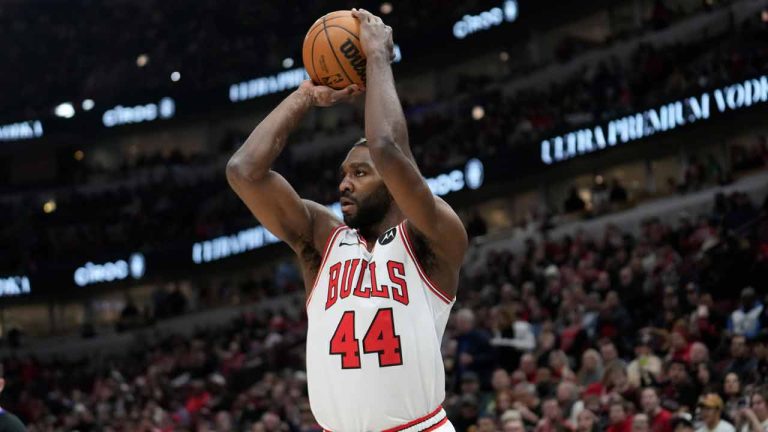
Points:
[(323, 224), (429, 215), (278, 207)]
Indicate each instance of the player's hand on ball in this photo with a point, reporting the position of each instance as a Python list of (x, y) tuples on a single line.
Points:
[(324, 96), (375, 36)]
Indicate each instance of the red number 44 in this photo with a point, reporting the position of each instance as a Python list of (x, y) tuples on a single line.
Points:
[(380, 338)]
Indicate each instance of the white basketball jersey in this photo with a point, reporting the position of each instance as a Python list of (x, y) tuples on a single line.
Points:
[(376, 323)]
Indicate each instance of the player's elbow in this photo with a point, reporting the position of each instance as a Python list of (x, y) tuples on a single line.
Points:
[(234, 170), (382, 145), (239, 171)]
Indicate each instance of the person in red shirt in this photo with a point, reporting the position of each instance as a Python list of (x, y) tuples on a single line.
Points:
[(552, 418), (528, 367), (680, 347), (618, 419), (660, 419)]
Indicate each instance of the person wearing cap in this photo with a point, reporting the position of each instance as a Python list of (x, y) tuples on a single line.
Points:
[(8, 421), (711, 410)]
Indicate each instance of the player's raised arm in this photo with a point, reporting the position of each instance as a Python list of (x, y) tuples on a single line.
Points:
[(266, 193), (387, 135)]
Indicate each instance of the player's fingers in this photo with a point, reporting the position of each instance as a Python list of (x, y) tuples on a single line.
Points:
[(368, 16), (361, 16), (372, 18), (344, 93), (353, 91), (307, 84), (358, 91)]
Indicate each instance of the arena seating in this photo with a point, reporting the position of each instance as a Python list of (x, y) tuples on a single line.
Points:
[(645, 306)]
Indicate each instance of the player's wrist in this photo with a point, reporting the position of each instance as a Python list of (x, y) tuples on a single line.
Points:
[(305, 97), (379, 55)]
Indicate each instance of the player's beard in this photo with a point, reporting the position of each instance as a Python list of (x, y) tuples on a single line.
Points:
[(371, 209)]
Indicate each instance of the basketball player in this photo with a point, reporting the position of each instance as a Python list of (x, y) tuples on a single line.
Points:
[(381, 284)]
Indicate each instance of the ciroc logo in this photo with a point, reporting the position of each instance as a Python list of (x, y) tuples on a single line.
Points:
[(91, 273), (469, 24), (472, 177), (121, 115)]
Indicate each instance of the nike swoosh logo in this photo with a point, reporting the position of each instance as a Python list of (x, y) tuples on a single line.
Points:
[(348, 244)]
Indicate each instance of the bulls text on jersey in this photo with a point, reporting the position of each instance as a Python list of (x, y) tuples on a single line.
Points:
[(349, 278)]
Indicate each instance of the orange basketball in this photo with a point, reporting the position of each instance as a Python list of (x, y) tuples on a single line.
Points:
[(332, 53)]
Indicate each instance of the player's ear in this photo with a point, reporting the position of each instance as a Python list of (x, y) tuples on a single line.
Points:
[(2, 384)]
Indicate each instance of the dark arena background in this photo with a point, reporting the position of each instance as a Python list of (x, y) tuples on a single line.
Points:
[(607, 157)]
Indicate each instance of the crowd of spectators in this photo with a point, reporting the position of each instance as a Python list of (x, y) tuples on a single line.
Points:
[(166, 207), (618, 333)]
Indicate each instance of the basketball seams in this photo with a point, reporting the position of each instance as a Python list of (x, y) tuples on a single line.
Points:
[(360, 47), (314, 53), (312, 57), (320, 21), (330, 44), (345, 29)]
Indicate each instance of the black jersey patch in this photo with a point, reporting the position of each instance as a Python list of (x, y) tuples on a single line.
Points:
[(388, 236)]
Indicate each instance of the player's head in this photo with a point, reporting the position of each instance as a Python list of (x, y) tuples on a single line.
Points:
[(365, 199)]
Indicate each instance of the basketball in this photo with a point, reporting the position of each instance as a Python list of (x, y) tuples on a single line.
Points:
[(332, 53)]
